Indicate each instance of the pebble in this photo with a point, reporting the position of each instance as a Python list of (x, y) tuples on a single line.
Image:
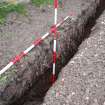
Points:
[(103, 22), (63, 79), (72, 62), (84, 74), (104, 103), (95, 102), (87, 98), (73, 93)]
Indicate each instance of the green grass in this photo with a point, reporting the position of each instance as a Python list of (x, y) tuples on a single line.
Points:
[(7, 76), (5, 9), (3, 79), (42, 2)]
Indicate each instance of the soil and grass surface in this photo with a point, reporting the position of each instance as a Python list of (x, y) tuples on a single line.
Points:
[(21, 28)]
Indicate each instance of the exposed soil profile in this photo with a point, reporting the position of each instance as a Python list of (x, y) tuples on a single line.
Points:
[(29, 80)]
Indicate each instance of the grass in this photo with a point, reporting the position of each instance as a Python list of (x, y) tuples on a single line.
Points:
[(7, 76), (6, 8), (42, 2), (3, 79)]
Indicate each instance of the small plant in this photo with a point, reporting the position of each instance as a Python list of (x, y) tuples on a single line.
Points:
[(6, 8), (3, 79), (2, 19), (7, 76)]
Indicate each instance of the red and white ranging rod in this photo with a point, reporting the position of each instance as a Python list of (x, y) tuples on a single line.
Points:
[(55, 40), (34, 44)]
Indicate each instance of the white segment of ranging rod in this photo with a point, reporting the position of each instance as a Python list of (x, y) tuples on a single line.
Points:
[(55, 18), (44, 36), (6, 68), (54, 48), (29, 49), (54, 69)]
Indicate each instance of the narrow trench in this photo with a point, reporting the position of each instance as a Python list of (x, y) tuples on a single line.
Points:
[(37, 92)]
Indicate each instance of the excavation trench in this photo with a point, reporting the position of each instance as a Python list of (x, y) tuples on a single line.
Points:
[(40, 87), (33, 80)]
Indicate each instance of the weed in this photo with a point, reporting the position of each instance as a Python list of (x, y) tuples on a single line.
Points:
[(3, 79), (6, 8)]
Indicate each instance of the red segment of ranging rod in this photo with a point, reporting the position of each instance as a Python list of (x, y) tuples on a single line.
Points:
[(54, 57), (18, 57), (38, 41), (55, 3), (53, 78), (53, 29)]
